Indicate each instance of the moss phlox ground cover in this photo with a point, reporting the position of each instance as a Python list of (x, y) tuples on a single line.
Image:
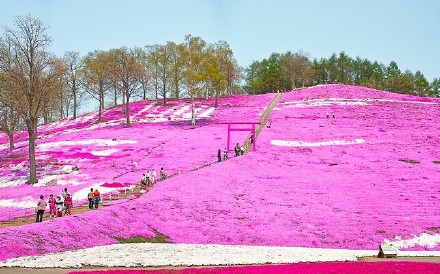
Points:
[(311, 182)]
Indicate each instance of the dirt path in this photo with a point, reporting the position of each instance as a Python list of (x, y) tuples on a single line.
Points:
[(75, 210)]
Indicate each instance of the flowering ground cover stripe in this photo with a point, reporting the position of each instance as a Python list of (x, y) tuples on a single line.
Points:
[(349, 267)]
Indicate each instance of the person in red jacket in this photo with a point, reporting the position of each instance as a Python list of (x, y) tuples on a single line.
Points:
[(68, 204), (97, 198), (52, 208)]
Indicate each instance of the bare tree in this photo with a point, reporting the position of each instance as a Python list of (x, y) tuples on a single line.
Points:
[(130, 73), (195, 54), (95, 75), (59, 100), (28, 66), (215, 68), (142, 58), (153, 68), (177, 67), (73, 80), (164, 69), (9, 118)]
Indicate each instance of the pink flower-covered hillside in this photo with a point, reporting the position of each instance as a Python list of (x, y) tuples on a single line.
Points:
[(108, 152), (354, 181)]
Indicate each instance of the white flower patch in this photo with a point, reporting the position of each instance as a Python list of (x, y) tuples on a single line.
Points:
[(142, 111), (344, 101), (4, 146), (26, 202), (66, 168), (324, 102), (188, 115), (182, 110), (159, 120), (207, 112), (423, 239), (7, 182), (44, 180), (315, 144), (96, 142), (17, 166), (153, 255), (184, 255), (106, 152)]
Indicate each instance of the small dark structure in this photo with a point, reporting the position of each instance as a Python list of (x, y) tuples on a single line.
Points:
[(387, 251)]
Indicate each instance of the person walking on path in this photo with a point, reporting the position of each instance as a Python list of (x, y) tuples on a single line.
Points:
[(162, 174), (41, 207), (237, 150), (97, 198), (52, 208), (153, 177), (59, 205), (219, 155), (90, 197), (68, 204), (225, 155), (148, 178)]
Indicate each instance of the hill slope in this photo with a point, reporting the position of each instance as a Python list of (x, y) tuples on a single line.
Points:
[(365, 177)]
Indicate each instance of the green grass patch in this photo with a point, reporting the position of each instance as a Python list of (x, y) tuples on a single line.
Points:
[(159, 238), (409, 161), (436, 162)]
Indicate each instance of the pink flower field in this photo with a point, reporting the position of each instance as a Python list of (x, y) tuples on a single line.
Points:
[(368, 176)]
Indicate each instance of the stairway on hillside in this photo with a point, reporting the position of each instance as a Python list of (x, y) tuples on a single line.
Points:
[(264, 118)]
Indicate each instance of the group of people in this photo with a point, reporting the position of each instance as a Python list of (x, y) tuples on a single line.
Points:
[(332, 115), (219, 155), (238, 150), (94, 198), (62, 202), (150, 178)]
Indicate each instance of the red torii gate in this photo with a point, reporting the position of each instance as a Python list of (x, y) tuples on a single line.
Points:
[(251, 129)]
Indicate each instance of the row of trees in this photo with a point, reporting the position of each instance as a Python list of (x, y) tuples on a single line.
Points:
[(291, 70), (37, 86)]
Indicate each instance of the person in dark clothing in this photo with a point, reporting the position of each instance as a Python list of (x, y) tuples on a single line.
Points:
[(41, 207), (90, 197), (237, 150), (219, 155), (162, 174)]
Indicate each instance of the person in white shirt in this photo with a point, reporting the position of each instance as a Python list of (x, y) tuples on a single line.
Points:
[(153, 177), (148, 178)]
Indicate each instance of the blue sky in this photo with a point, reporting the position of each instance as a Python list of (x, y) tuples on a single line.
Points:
[(405, 31)]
